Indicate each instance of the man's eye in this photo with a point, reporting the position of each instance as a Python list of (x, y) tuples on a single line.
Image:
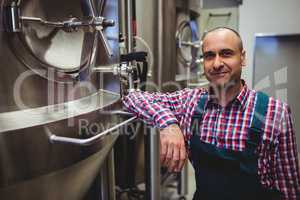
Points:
[(226, 53), (208, 55)]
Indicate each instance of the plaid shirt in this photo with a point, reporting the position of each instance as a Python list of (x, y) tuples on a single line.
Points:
[(227, 128)]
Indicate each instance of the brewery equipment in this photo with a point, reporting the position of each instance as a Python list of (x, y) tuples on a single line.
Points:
[(57, 128)]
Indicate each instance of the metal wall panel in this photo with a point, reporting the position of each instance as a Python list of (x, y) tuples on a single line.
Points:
[(276, 70)]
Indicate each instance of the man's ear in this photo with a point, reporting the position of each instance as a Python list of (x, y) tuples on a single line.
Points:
[(243, 58)]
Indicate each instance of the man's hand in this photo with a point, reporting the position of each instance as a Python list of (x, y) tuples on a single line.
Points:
[(172, 148)]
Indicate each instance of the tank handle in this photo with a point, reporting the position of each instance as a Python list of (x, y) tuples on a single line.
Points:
[(84, 142)]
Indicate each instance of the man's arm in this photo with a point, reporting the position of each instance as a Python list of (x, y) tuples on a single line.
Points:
[(164, 111), (157, 109), (287, 165)]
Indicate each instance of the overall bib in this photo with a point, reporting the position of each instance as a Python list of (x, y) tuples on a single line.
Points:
[(223, 174)]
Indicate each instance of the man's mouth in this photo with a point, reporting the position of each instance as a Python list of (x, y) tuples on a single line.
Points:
[(218, 73)]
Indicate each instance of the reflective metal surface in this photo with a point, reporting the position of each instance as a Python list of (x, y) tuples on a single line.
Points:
[(71, 182), (47, 82), (28, 153), (44, 115)]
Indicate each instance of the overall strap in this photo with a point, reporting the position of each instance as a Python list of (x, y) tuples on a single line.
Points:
[(255, 133), (259, 117), (202, 102), (199, 110), (201, 105), (195, 128)]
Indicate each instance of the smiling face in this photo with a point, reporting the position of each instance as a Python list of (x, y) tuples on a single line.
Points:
[(223, 57)]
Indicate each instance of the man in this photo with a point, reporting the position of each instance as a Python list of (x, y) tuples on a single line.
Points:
[(240, 142)]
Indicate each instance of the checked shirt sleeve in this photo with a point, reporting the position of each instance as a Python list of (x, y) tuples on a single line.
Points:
[(157, 109), (287, 165)]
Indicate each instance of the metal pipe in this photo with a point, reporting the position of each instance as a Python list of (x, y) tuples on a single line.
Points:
[(121, 112), (111, 175), (159, 41), (57, 24), (107, 178), (129, 38), (107, 48), (104, 194), (128, 26), (112, 69), (152, 164), (183, 183), (83, 142), (130, 82), (11, 18)]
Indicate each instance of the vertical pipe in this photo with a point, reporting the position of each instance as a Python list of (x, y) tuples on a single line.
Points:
[(13, 14), (164, 31), (111, 175), (128, 26), (160, 41), (152, 164), (183, 183), (155, 164), (107, 178), (104, 182), (122, 19), (129, 38)]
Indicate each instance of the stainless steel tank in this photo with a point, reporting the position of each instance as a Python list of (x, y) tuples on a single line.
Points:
[(53, 103)]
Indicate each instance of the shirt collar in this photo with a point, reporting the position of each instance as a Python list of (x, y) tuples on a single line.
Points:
[(241, 98)]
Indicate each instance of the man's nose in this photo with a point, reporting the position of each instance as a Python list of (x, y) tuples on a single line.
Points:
[(218, 63)]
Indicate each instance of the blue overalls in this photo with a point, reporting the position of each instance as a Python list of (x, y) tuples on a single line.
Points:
[(226, 174)]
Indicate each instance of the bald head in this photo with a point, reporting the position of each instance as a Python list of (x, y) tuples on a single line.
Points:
[(225, 29)]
